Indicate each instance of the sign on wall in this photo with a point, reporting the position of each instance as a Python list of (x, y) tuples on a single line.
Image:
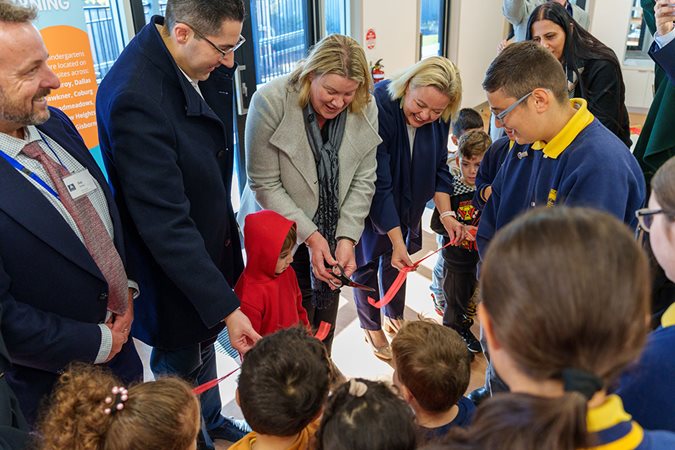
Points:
[(63, 28)]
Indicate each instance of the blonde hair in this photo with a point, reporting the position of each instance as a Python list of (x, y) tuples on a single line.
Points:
[(339, 55), (435, 71), (158, 415)]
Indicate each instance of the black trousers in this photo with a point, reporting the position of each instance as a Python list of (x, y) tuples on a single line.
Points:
[(458, 289), (302, 266)]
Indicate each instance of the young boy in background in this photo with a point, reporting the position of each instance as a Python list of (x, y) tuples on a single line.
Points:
[(467, 120), (268, 289), (459, 262), (432, 371), (283, 386)]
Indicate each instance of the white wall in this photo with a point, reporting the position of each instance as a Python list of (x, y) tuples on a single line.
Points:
[(476, 27), (396, 23)]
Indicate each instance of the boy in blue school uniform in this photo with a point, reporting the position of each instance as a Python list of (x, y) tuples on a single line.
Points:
[(565, 155), (431, 371), (562, 154), (489, 167)]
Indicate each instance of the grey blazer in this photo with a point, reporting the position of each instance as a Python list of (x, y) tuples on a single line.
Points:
[(517, 12), (281, 169)]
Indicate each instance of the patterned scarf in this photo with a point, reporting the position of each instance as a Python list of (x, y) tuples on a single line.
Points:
[(327, 170)]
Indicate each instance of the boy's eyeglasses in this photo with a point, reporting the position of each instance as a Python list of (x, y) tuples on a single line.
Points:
[(502, 115), (223, 53), (645, 217)]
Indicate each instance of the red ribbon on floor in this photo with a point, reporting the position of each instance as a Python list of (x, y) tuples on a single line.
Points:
[(211, 384), (322, 332), (400, 279)]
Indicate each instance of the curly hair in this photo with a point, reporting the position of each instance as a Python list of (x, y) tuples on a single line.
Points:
[(162, 415)]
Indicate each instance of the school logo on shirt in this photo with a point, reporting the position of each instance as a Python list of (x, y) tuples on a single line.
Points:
[(552, 196)]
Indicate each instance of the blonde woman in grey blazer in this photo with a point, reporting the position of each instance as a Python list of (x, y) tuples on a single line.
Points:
[(311, 139)]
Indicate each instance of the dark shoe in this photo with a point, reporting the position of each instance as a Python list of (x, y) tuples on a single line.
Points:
[(479, 395), (232, 430), (471, 342)]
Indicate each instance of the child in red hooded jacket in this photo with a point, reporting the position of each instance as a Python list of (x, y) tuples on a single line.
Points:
[(268, 289)]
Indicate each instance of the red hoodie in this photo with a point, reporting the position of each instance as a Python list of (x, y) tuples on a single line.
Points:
[(270, 301)]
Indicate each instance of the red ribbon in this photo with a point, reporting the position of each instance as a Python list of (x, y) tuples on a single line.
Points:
[(211, 384), (322, 332), (402, 274)]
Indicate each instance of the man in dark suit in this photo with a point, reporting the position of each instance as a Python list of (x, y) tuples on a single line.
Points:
[(63, 288), (165, 115)]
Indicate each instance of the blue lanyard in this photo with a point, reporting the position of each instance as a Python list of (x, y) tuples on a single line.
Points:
[(23, 169)]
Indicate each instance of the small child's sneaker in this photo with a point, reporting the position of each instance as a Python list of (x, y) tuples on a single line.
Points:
[(438, 305), (472, 343)]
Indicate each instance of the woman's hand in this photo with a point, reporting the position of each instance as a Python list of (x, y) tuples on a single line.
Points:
[(319, 256), (454, 229), (664, 12), (344, 254), (400, 257)]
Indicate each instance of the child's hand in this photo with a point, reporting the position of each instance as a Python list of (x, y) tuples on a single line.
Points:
[(454, 228), (470, 233)]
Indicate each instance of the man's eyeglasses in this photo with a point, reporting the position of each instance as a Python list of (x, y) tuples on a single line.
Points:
[(223, 53), (502, 115), (645, 217)]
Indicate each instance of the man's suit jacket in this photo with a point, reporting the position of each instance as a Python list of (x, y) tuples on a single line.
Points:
[(13, 426), (52, 293), (665, 57), (169, 155)]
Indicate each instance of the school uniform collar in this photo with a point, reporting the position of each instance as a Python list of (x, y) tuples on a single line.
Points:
[(612, 426), (668, 317), (580, 120)]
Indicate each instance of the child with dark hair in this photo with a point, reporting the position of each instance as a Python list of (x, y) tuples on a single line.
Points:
[(467, 119), (366, 415), (283, 385), (432, 371), (268, 289), (459, 262), (91, 410), (544, 309)]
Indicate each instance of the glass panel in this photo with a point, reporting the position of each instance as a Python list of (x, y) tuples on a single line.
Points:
[(279, 36), (431, 28), (152, 8), (337, 17), (638, 38), (104, 26)]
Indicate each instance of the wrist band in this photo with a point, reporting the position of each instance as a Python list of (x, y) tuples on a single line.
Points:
[(445, 214)]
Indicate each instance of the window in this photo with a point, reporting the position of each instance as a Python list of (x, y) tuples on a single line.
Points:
[(104, 20), (638, 38), (280, 36), (337, 16), (432, 27)]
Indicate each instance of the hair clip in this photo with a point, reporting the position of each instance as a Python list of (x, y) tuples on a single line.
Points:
[(357, 388), (117, 403)]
